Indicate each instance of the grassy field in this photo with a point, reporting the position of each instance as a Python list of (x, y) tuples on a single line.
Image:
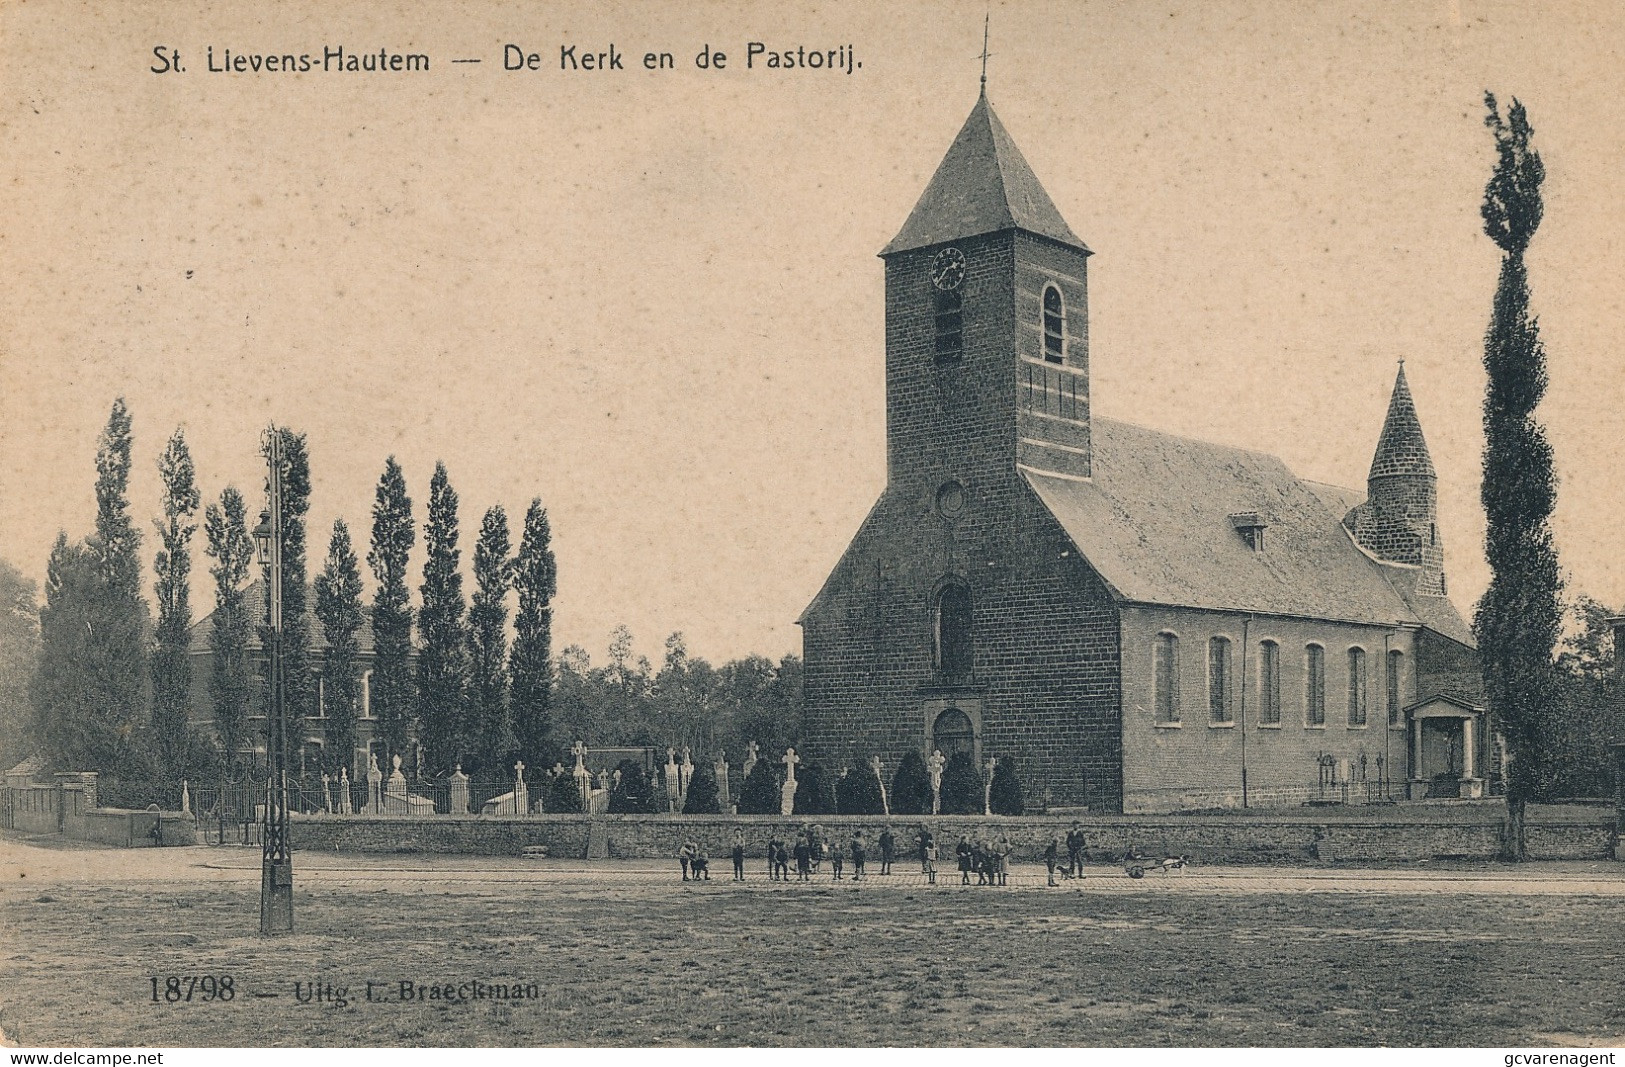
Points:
[(647, 960)]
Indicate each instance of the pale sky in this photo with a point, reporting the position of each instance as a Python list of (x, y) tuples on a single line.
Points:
[(652, 299)]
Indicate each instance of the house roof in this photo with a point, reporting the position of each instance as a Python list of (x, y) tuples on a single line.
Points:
[(254, 596), (983, 185), (1154, 520)]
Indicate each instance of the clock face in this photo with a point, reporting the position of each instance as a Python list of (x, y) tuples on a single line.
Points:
[(949, 269)]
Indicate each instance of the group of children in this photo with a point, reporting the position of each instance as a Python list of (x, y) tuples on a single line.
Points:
[(989, 860)]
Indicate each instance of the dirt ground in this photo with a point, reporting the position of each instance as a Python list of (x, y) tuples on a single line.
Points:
[(626, 954)]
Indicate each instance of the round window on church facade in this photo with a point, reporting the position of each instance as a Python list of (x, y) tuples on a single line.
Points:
[(951, 499)]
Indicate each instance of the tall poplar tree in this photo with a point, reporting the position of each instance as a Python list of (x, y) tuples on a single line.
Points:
[(115, 693), (338, 606), (298, 669), (1519, 616), (231, 683), (530, 665), (492, 732), (171, 664), (443, 659), (394, 692)]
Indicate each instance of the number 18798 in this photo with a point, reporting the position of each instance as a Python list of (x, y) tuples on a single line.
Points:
[(179, 989)]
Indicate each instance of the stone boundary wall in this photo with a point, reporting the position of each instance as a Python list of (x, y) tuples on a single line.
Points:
[(1229, 839)]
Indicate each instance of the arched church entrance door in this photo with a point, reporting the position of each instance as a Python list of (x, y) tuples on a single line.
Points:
[(952, 734)]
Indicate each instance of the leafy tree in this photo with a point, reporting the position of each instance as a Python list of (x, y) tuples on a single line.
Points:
[(394, 692), (815, 793), (702, 797), (64, 727), (1005, 797), (961, 786), (1518, 618), (491, 725), (858, 791), (338, 606), (530, 664), (171, 661), (911, 786), (1588, 650), (231, 683), (634, 793), (563, 795), (298, 667), (760, 794), (443, 659), (92, 693), (19, 658), (115, 695)]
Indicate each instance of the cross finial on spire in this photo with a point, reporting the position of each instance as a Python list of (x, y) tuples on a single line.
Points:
[(985, 17)]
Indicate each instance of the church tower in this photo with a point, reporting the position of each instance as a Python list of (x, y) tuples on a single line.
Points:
[(1399, 521), (987, 323)]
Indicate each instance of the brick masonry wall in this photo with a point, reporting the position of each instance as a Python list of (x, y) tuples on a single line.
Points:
[(1391, 835), (1198, 765), (1043, 689)]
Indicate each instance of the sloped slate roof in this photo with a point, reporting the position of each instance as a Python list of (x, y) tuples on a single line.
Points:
[(254, 596), (983, 185), (1154, 521)]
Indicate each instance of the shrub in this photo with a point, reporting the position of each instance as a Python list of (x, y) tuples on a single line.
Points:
[(563, 795), (858, 793), (701, 798), (961, 786), (911, 787), (760, 793), (1006, 797), (633, 795), (813, 793)]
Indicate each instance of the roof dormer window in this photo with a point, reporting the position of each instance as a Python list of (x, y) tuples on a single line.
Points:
[(1250, 525)]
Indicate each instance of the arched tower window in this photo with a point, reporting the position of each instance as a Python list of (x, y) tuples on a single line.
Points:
[(1054, 326), (951, 625), (1166, 678), (953, 733), (1357, 687), (950, 326)]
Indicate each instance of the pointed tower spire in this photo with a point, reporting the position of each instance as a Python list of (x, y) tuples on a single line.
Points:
[(1399, 520), (1401, 450), (983, 185)]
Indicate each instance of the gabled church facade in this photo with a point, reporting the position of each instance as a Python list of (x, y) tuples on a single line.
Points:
[(1142, 622)]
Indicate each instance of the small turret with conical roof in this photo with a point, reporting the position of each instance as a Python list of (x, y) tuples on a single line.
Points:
[(1399, 521)]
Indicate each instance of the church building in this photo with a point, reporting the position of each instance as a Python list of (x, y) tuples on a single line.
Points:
[(1142, 622)]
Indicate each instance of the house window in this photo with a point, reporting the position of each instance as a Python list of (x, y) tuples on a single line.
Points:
[(1314, 686), (366, 694), (951, 624), (1166, 667), (1218, 681), (1269, 684), (953, 734), (1357, 693), (950, 326), (1054, 326), (1396, 663), (321, 696)]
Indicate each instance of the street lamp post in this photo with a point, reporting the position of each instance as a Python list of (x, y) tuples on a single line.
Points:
[(276, 861)]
